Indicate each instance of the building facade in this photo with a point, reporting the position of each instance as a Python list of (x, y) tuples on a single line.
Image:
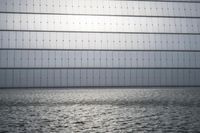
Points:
[(99, 43)]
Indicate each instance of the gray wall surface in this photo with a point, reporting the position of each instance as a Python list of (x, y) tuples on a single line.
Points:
[(99, 43)]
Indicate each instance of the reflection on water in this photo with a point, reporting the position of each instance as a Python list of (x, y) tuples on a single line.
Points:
[(100, 110)]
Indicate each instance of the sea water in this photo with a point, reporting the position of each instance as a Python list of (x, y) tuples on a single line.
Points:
[(100, 110)]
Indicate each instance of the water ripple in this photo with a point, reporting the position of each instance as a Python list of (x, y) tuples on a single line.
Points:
[(110, 110)]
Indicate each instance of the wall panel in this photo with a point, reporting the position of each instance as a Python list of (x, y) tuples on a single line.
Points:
[(88, 43)]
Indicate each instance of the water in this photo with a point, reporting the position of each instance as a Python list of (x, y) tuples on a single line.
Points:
[(100, 110)]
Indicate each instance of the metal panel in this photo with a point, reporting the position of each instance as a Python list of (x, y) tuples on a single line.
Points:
[(83, 77), (9, 78), (37, 78), (96, 77), (2, 78), (4, 58), (102, 77), (89, 79), (98, 38)]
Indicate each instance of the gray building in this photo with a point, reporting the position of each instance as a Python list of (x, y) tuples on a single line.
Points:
[(99, 43)]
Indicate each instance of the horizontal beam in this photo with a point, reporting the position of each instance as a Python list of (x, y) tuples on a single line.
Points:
[(105, 87), (108, 15), (102, 32), (114, 50), (173, 1), (11, 68)]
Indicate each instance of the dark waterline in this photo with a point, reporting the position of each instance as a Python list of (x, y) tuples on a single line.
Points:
[(100, 110)]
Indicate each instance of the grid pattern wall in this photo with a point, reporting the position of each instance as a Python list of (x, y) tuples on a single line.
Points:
[(99, 43)]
